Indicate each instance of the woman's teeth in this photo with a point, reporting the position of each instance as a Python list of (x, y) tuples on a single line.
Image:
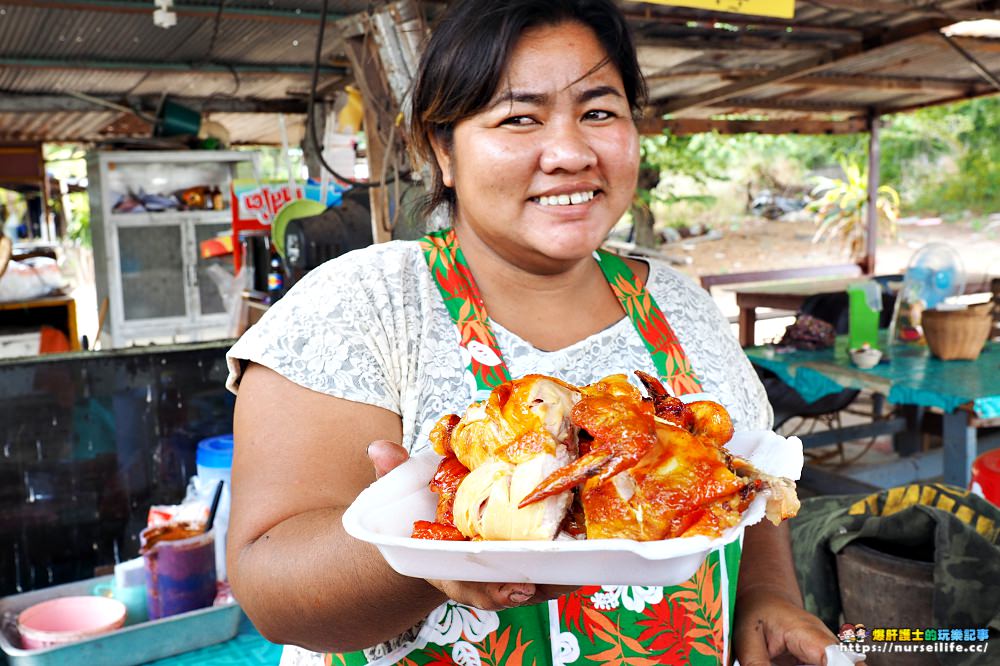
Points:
[(565, 199)]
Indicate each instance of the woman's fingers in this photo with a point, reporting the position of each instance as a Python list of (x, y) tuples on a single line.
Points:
[(486, 596), (768, 625), (386, 456)]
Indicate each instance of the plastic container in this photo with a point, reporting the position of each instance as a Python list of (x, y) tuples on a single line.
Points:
[(864, 305), (215, 461), (986, 476), (68, 620), (129, 587), (180, 568)]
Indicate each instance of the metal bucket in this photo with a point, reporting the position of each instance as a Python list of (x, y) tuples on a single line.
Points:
[(879, 589)]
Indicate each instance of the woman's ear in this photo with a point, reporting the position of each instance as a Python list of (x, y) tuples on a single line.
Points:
[(442, 154)]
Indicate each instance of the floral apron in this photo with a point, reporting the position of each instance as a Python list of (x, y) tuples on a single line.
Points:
[(610, 624)]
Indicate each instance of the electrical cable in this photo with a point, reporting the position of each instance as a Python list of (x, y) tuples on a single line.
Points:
[(215, 29), (312, 103)]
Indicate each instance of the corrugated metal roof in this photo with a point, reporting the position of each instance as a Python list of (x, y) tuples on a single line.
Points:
[(266, 48)]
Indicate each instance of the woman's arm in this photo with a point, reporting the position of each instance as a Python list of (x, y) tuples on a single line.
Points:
[(300, 459), (770, 620)]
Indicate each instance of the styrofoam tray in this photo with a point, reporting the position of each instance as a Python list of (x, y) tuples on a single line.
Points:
[(383, 514), (134, 644)]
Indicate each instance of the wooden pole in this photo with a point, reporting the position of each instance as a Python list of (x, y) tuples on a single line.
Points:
[(867, 261)]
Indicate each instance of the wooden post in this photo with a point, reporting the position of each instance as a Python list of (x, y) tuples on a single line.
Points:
[(867, 261)]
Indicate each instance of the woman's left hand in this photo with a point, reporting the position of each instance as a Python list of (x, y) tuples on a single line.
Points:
[(769, 623)]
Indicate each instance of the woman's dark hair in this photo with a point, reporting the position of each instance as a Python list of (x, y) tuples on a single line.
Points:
[(467, 55)]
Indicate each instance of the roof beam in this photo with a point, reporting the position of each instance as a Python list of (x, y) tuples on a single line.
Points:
[(180, 8), (683, 126), (679, 16), (969, 42), (808, 65), (816, 106), (167, 66), (916, 84), (727, 42), (883, 7), (14, 103)]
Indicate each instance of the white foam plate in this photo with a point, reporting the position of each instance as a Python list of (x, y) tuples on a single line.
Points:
[(383, 514)]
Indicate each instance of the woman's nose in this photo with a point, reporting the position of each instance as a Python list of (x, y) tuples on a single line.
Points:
[(566, 148)]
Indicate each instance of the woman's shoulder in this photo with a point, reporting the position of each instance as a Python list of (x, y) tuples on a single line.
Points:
[(392, 258), (664, 277)]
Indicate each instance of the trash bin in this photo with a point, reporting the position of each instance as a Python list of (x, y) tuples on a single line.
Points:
[(894, 591)]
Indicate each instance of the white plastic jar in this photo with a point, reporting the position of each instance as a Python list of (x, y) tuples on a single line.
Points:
[(215, 461)]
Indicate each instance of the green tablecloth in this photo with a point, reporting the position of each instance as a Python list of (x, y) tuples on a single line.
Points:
[(908, 375), (248, 647)]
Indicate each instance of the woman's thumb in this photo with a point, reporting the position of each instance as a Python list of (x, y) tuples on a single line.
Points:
[(386, 456)]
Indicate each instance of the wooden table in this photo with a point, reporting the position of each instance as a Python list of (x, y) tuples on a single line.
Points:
[(56, 311), (783, 295), (967, 393), (791, 294)]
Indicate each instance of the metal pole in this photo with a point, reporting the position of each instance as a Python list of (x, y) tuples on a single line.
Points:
[(871, 222)]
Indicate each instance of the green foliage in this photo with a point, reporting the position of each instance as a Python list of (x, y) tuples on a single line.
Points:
[(841, 205), (941, 160), (67, 163)]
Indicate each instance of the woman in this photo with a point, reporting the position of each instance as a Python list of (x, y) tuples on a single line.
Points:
[(525, 109)]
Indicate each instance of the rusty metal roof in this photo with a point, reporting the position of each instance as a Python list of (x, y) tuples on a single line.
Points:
[(829, 69)]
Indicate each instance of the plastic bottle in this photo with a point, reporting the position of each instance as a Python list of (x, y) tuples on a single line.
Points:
[(864, 306), (215, 462), (275, 277)]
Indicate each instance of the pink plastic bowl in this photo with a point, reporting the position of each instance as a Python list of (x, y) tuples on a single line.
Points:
[(68, 619)]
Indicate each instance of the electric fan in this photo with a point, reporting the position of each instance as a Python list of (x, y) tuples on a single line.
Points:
[(935, 273)]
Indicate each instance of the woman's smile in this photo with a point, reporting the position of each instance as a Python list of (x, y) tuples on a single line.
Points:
[(549, 166)]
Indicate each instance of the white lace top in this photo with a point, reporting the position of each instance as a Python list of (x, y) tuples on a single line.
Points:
[(370, 326)]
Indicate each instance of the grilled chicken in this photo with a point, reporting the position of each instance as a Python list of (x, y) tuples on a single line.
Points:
[(645, 468), (509, 443)]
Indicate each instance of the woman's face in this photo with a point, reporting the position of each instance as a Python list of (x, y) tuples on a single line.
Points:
[(543, 173)]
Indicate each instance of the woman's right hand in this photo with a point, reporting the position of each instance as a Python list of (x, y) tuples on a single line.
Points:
[(386, 456)]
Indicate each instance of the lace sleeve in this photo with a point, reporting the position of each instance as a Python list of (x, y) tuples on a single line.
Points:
[(325, 335)]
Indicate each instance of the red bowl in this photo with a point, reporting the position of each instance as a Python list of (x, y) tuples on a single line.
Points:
[(68, 619)]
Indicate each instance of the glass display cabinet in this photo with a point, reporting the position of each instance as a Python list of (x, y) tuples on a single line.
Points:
[(150, 212)]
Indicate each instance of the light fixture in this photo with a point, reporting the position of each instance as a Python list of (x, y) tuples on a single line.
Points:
[(162, 16)]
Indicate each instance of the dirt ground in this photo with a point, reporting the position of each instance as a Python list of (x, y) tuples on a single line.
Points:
[(759, 244)]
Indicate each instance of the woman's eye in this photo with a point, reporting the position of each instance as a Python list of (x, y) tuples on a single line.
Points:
[(518, 121), (599, 114)]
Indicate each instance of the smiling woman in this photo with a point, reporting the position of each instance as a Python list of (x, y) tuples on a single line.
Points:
[(562, 150), (525, 112)]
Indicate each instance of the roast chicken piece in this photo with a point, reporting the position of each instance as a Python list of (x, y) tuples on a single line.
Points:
[(449, 475), (509, 443), (645, 468), (682, 482)]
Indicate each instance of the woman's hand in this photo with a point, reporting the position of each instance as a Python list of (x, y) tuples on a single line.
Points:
[(386, 456), (769, 623)]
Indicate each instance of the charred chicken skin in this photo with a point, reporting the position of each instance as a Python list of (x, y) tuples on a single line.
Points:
[(642, 468)]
